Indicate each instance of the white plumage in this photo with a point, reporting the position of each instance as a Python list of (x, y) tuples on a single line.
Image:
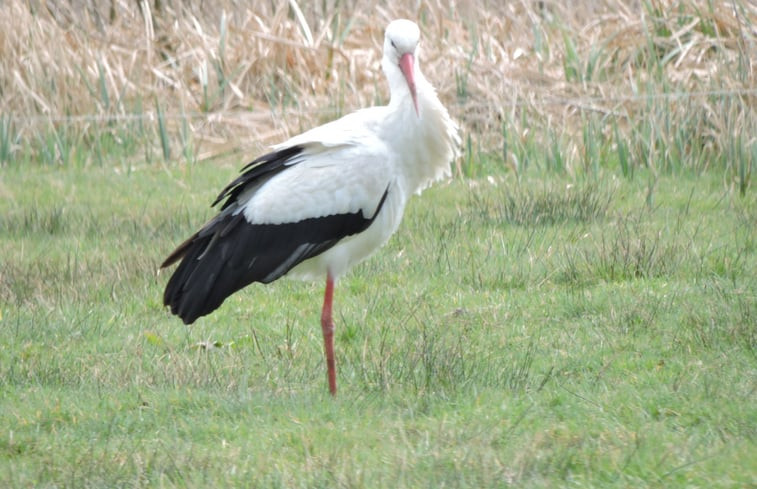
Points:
[(324, 200)]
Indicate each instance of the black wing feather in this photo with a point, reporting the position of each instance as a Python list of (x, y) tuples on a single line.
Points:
[(265, 166), (229, 253), (256, 171)]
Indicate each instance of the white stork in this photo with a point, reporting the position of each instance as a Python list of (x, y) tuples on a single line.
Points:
[(322, 201)]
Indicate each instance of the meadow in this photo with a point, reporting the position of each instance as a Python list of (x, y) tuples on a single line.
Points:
[(575, 307)]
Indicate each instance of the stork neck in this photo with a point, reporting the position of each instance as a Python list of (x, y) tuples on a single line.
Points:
[(422, 139)]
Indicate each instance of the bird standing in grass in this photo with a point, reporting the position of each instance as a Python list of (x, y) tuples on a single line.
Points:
[(322, 201)]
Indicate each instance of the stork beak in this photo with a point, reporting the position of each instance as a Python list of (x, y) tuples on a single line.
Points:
[(407, 65)]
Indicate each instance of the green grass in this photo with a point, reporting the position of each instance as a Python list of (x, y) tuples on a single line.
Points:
[(543, 331)]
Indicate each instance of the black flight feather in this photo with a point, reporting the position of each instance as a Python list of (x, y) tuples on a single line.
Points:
[(229, 253), (256, 171), (265, 166)]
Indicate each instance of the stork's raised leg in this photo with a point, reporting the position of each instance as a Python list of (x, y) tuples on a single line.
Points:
[(327, 324)]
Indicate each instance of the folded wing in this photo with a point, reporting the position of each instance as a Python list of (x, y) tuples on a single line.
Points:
[(286, 207)]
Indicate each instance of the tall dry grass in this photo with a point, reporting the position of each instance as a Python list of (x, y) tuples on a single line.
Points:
[(520, 76)]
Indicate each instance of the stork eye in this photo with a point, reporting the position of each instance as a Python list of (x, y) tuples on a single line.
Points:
[(393, 45)]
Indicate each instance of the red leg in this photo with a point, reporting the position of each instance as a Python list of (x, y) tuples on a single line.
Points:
[(327, 324)]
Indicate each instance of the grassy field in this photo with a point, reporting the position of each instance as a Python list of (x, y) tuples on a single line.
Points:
[(577, 307)]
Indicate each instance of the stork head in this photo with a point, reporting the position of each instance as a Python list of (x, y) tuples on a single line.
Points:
[(400, 46)]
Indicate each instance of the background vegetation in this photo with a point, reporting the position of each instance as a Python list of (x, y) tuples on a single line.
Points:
[(577, 307)]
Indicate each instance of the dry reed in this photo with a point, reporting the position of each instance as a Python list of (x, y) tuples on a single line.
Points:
[(243, 76)]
